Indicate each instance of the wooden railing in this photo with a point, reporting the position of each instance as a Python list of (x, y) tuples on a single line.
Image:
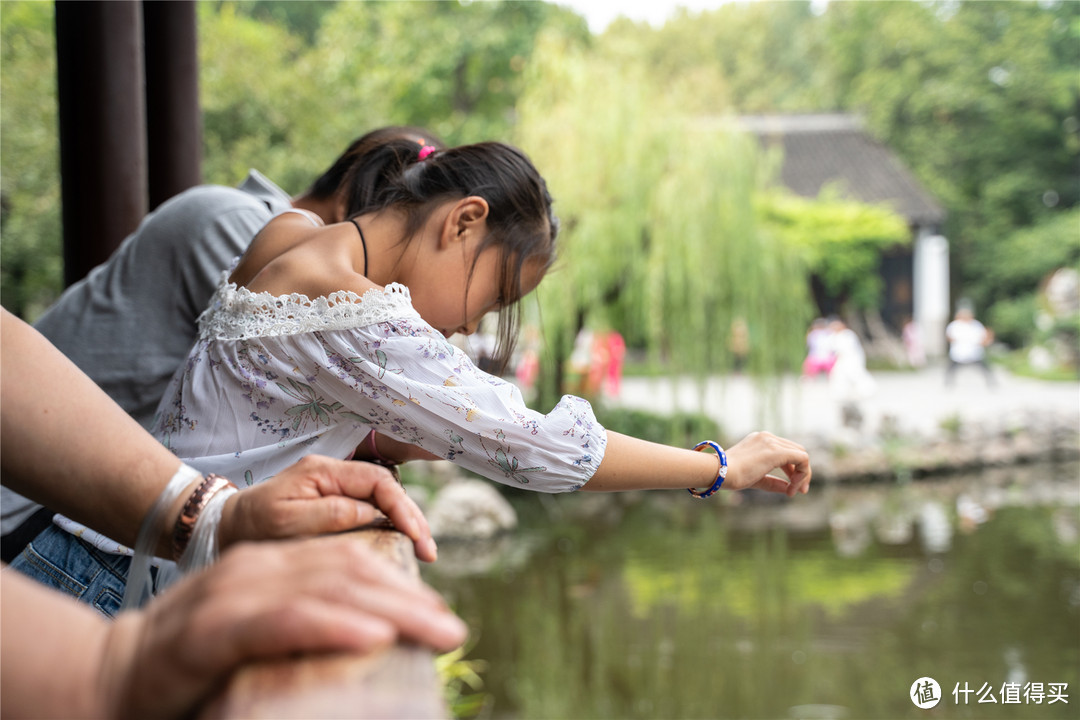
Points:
[(399, 682)]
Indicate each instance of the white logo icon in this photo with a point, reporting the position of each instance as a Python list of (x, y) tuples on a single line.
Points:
[(925, 693)]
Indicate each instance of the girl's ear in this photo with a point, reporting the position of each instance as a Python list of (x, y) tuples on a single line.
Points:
[(467, 215)]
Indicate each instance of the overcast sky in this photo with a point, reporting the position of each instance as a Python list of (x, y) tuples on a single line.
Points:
[(601, 12)]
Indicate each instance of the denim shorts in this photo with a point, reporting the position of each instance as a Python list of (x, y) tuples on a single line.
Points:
[(66, 563)]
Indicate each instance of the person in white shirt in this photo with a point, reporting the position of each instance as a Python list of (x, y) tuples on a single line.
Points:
[(968, 339)]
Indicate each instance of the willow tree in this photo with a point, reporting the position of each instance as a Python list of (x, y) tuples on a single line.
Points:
[(660, 235)]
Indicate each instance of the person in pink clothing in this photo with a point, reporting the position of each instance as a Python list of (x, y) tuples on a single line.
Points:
[(616, 357), (819, 350), (913, 344)]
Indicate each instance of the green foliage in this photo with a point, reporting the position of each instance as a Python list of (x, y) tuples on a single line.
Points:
[(286, 96), (453, 67), (1016, 267), (462, 683), (30, 264), (841, 241), (300, 17), (1017, 270), (260, 103), (1013, 319), (1023, 259), (981, 101), (752, 56)]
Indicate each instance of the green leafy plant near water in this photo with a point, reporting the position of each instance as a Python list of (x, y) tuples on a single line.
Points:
[(462, 683)]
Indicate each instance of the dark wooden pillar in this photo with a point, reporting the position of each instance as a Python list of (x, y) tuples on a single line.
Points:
[(101, 119), (130, 123), (173, 118)]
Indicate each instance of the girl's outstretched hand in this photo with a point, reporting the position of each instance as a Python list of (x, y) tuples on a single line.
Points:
[(319, 495), (752, 459)]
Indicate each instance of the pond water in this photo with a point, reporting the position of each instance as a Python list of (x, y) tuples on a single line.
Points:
[(655, 605)]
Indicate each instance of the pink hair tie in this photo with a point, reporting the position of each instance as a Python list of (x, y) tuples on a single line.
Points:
[(426, 150)]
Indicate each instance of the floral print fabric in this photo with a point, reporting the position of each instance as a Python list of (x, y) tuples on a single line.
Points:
[(272, 379)]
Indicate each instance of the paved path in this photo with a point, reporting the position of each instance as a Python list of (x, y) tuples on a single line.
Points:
[(916, 402)]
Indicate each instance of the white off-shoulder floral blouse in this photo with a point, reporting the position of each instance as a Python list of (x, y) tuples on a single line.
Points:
[(274, 378)]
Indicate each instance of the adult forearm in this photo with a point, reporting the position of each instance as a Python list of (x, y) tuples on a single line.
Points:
[(49, 651), (62, 434)]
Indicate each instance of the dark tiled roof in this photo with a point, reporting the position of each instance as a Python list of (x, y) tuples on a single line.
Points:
[(834, 150)]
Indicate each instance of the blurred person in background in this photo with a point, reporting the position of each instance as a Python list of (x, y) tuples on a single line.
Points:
[(819, 351), (849, 381), (968, 339), (914, 349)]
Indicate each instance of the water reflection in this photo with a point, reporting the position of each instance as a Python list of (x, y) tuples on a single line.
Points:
[(826, 608)]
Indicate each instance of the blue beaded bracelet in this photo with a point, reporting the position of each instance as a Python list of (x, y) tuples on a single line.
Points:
[(719, 476)]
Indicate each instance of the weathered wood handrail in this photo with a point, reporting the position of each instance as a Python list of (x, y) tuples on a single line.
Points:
[(399, 682)]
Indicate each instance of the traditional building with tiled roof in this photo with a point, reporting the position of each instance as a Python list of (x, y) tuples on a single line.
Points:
[(835, 151)]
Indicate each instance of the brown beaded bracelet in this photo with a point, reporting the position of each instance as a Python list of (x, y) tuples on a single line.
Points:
[(185, 522)]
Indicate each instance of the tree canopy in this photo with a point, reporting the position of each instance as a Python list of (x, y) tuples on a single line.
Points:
[(981, 100)]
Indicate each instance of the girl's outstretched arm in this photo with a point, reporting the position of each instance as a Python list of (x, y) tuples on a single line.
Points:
[(633, 464)]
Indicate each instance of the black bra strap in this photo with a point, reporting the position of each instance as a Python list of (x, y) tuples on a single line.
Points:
[(363, 242)]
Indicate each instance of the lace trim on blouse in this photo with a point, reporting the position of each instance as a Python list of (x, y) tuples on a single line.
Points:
[(236, 313)]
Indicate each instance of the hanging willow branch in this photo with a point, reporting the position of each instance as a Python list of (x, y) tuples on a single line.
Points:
[(661, 239)]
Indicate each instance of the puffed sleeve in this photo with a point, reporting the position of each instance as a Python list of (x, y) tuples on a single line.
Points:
[(404, 379)]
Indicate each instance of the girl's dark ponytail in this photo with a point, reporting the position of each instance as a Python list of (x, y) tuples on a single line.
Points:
[(375, 170), (369, 162)]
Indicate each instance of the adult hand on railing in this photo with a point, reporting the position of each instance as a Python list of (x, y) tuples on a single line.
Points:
[(261, 601), (322, 495)]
